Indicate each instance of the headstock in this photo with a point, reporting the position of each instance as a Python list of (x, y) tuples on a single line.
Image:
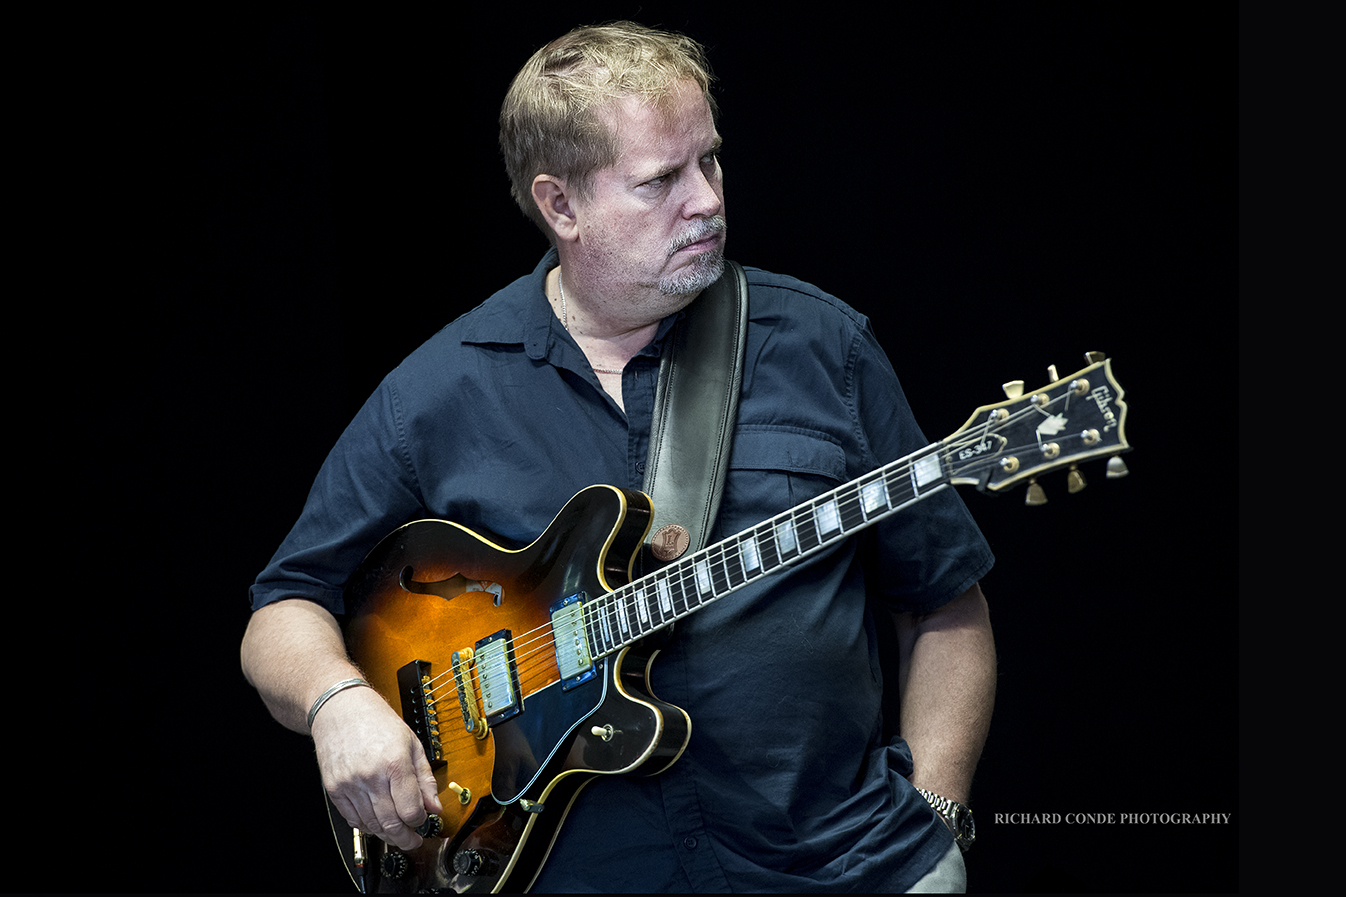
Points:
[(1073, 419)]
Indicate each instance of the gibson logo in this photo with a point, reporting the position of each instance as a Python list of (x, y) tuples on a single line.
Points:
[(1102, 397)]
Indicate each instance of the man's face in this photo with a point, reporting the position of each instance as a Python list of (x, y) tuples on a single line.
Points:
[(655, 220)]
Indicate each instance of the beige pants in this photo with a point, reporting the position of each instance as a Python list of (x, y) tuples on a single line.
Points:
[(948, 877)]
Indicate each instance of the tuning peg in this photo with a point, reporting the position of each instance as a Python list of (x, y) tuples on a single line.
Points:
[(1094, 357), (1035, 496), (1075, 480), (1013, 389), (1052, 376), (1116, 468)]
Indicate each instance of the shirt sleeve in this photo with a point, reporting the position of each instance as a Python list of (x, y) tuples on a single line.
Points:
[(365, 488), (929, 553)]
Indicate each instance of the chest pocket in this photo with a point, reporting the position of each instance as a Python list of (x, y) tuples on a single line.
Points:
[(772, 469)]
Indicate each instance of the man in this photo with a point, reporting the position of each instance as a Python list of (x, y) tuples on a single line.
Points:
[(788, 782)]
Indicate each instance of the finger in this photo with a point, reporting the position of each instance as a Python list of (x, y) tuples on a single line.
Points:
[(359, 812), (425, 777), (347, 810), (407, 790), (393, 827)]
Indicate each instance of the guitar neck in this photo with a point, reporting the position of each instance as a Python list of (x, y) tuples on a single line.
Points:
[(1073, 419), (650, 603)]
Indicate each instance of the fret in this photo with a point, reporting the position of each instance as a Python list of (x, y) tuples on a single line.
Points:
[(852, 514), (683, 598), (703, 585), (733, 567), (607, 616), (898, 484), (642, 612), (806, 531), (751, 556), (665, 598), (786, 543), (651, 603), (826, 517), (926, 470), (874, 497), (719, 573), (765, 539), (684, 586), (652, 609), (596, 626), (615, 622)]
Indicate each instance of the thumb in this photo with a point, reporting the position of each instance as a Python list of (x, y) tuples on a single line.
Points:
[(425, 777)]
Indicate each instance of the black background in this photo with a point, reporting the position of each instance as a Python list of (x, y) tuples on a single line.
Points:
[(998, 186)]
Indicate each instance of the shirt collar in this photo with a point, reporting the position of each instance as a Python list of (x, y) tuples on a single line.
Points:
[(523, 316)]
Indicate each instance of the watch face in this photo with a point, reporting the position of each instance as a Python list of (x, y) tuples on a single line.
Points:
[(967, 829)]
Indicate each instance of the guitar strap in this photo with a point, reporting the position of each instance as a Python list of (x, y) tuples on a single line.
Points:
[(695, 409)]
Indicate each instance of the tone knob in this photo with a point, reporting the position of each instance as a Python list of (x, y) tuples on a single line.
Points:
[(473, 862), (431, 827), (394, 864)]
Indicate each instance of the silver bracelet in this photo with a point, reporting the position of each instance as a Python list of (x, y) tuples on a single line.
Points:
[(327, 695)]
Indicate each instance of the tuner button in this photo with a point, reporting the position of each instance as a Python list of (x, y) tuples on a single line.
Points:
[(1116, 468), (1035, 495), (1094, 357), (1075, 480), (1052, 376), (1013, 389)]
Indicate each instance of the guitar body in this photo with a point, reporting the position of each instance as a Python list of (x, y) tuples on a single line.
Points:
[(461, 636)]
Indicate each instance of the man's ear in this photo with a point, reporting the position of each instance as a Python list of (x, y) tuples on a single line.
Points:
[(553, 200)]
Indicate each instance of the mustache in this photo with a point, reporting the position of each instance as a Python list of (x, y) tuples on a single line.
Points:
[(703, 228)]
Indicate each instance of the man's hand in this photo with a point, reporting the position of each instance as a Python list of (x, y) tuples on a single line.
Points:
[(374, 768)]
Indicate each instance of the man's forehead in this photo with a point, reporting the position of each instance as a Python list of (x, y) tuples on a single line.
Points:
[(645, 127)]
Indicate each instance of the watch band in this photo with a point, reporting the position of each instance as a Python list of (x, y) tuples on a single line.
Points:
[(956, 815)]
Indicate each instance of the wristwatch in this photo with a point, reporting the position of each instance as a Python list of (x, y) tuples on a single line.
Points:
[(957, 816)]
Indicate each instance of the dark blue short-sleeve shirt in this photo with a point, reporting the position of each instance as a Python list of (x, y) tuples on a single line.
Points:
[(788, 783)]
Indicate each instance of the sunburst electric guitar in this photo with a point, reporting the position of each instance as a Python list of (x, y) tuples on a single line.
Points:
[(524, 672)]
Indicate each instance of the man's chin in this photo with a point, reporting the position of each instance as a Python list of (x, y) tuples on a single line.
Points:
[(694, 278)]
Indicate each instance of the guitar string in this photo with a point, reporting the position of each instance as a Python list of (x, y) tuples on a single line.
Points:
[(638, 609), (542, 638)]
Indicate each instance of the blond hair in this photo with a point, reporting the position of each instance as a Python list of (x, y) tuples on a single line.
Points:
[(551, 121)]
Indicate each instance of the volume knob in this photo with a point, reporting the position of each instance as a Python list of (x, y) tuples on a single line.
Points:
[(431, 827), (394, 864), (473, 862)]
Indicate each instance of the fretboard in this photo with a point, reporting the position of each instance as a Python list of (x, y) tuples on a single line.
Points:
[(647, 604)]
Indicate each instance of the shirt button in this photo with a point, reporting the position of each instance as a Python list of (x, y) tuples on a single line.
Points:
[(640, 466), (689, 843)]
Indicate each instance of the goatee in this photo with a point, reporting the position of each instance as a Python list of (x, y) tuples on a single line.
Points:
[(705, 269)]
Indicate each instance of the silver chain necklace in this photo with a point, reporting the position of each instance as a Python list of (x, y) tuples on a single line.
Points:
[(565, 323)]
